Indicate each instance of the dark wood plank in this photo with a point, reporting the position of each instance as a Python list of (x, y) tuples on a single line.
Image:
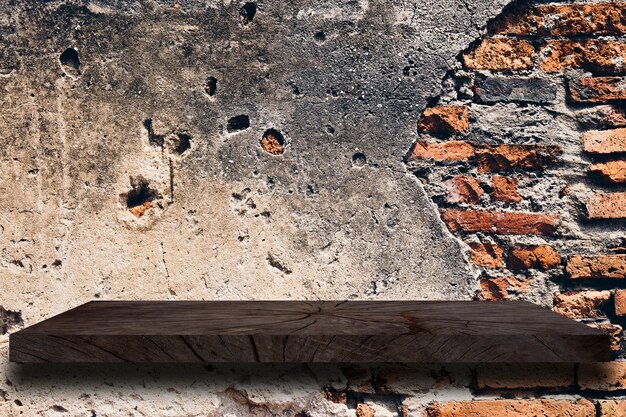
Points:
[(308, 331)]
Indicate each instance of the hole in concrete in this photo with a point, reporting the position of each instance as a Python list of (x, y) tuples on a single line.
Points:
[(140, 197), (247, 12), (210, 86), (70, 61), (330, 130), (180, 143), (236, 123), (359, 159), (273, 142), (319, 37)]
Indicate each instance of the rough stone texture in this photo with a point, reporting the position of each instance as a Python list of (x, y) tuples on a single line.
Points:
[(449, 151), (508, 157), (444, 119), (500, 54), (504, 189), (606, 266), (534, 256), (522, 89), (463, 189), (499, 222), (488, 255), (582, 304), (527, 376), (514, 408), (605, 141), (602, 376), (612, 408), (597, 89), (596, 55), (137, 162), (607, 206), (620, 302), (611, 171)]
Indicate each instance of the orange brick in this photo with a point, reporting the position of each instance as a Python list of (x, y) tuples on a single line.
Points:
[(612, 408), (364, 410), (497, 289), (444, 119), (533, 257), (606, 18), (524, 376), (597, 89), (500, 54), (604, 141), (513, 408), (464, 189), (505, 189), (582, 304), (613, 172), (510, 223), (604, 266), (488, 255), (595, 55), (447, 151), (516, 19), (507, 157), (605, 376), (607, 206), (620, 302)]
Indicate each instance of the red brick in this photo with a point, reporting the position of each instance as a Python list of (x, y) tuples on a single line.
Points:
[(497, 289), (505, 189), (595, 55), (605, 376), (500, 54), (597, 89), (524, 376), (620, 302), (582, 304), (607, 206), (141, 209), (364, 410), (513, 408), (612, 408), (613, 330), (613, 172), (507, 157), (516, 19), (444, 119), (603, 266), (604, 141), (447, 151), (607, 18), (273, 143), (488, 255), (533, 257), (511, 223), (464, 189), (602, 117)]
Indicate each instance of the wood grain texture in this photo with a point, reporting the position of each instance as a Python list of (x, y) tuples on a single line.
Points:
[(308, 331)]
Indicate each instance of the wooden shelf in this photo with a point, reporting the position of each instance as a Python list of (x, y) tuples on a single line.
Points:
[(316, 331)]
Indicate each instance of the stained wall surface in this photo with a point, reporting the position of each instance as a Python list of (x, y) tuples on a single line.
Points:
[(269, 150)]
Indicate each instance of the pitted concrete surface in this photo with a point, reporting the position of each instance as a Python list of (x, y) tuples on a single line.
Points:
[(98, 97)]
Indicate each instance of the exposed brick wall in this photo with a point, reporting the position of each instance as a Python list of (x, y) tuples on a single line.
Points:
[(538, 195)]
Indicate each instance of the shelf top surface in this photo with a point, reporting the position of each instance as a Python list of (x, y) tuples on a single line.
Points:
[(309, 318)]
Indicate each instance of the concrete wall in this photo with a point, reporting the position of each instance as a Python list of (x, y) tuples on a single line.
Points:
[(269, 150)]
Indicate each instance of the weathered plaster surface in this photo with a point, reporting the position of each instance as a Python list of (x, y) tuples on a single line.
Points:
[(337, 79)]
